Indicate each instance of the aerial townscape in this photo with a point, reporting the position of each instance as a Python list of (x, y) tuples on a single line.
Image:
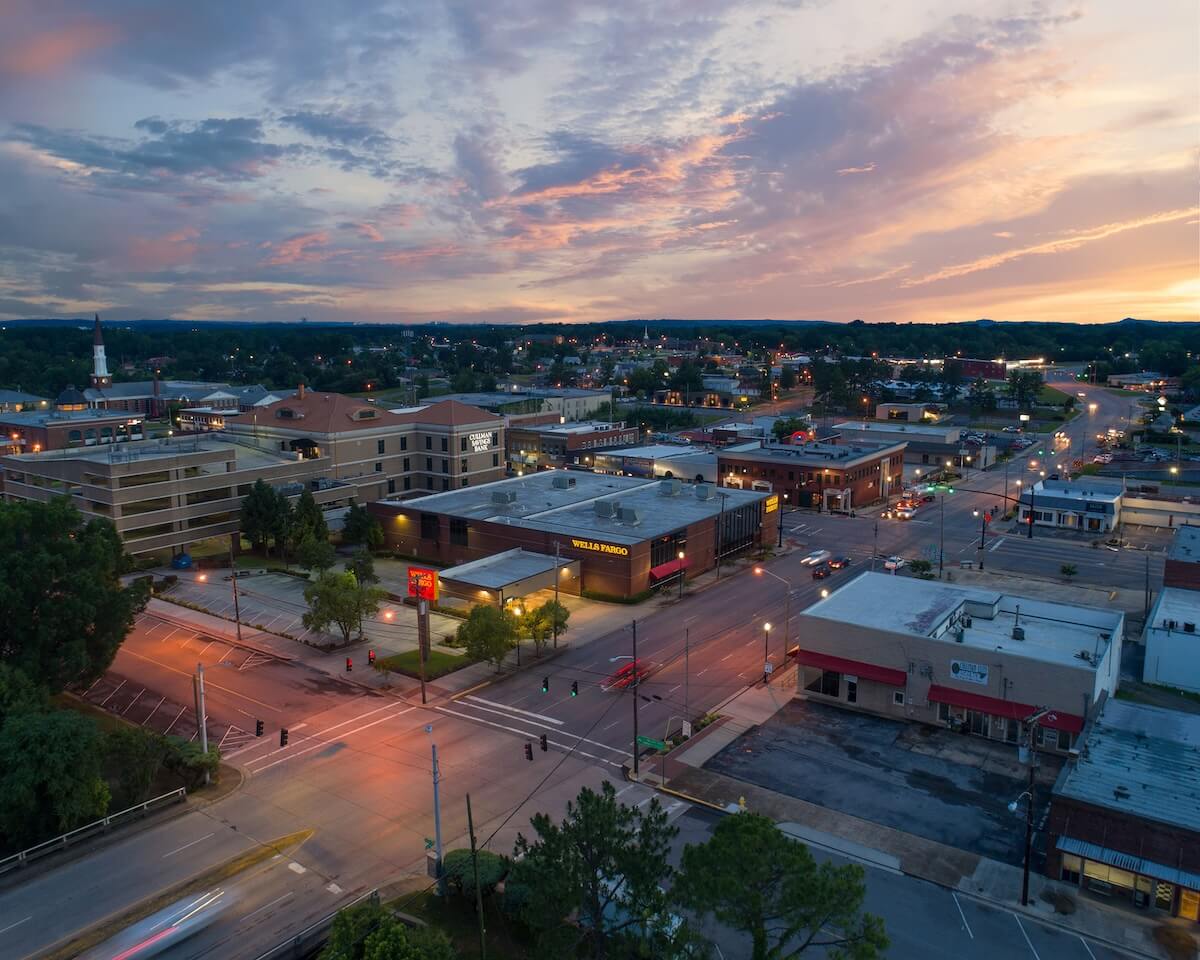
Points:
[(623, 481)]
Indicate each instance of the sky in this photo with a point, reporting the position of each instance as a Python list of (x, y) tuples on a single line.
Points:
[(560, 160)]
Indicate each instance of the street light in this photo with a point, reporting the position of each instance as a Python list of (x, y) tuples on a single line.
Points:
[(787, 606), (982, 533), (681, 571), (766, 654)]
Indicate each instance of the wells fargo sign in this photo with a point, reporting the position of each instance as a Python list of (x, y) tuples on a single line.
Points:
[(772, 503), (598, 547), (423, 583)]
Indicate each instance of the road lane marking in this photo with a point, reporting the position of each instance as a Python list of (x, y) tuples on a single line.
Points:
[(297, 868), (267, 906), (186, 845), (208, 683), (528, 713), (110, 696), (1026, 936), (17, 924), (726, 657), (964, 916), (325, 743), (176, 720), (527, 734), (995, 545), (611, 725), (154, 711), (321, 733), (1087, 948)]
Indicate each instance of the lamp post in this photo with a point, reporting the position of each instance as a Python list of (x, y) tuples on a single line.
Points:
[(787, 607), (766, 652), (982, 533), (681, 573), (941, 533)]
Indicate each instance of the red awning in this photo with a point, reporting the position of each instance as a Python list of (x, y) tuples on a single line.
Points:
[(867, 671), (668, 568), (1055, 720)]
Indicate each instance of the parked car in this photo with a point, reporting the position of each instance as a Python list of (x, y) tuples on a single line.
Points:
[(894, 563), (1010, 429), (817, 556), (928, 498), (821, 571)]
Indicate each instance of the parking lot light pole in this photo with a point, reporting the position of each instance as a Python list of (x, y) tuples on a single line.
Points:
[(942, 535), (201, 715), (766, 653), (982, 532), (787, 609), (237, 613), (682, 573)]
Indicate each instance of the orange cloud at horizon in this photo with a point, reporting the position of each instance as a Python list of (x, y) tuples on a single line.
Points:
[(49, 52)]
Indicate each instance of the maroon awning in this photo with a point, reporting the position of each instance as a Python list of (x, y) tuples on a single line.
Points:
[(1055, 720), (668, 568), (868, 671)]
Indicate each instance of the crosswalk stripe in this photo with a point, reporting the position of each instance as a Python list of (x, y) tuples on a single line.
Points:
[(526, 733), (507, 709)]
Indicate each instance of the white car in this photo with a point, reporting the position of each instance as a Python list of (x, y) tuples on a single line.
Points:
[(905, 513), (817, 556), (894, 563)]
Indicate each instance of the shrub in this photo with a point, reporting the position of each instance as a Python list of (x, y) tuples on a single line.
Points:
[(614, 598), (188, 762), (460, 875)]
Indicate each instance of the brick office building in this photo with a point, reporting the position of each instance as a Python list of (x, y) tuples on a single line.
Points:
[(627, 533), (819, 476), (1182, 568), (545, 446)]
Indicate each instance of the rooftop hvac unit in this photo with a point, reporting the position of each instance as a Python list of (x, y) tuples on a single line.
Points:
[(958, 635), (606, 508), (1189, 628), (631, 515), (669, 488), (1018, 633), (562, 482), (704, 491), (504, 496)]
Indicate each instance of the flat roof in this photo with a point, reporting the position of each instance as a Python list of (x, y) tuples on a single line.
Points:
[(501, 569), (571, 510), (576, 426), (816, 453), (1179, 604), (135, 451), (1081, 489), (901, 428), (1142, 761), (42, 418), (1054, 632), (654, 451), (1185, 545)]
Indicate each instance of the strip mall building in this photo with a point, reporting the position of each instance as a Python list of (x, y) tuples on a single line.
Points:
[(627, 533)]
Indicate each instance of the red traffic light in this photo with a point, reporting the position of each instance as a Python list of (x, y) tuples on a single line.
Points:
[(349, 664), (370, 656)]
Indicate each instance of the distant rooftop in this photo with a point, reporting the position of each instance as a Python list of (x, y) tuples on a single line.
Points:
[(13, 397), (816, 453), (1054, 632), (900, 428), (1180, 605), (248, 457), (1185, 545), (655, 451), (1083, 487), (1142, 761), (41, 418), (580, 426), (501, 569), (541, 505)]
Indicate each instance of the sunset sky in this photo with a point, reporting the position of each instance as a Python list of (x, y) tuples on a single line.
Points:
[(526, 160)]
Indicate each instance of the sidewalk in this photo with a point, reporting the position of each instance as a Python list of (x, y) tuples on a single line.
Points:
[(681, 773)]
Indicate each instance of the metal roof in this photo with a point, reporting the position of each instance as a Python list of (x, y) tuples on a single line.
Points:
[(1125, 861), (1141, 761), (503, 569)]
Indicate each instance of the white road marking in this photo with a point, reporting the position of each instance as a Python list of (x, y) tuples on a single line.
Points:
[(1087, 948), (175, 721), (137, 696), (611, 725), (527, 733), (963, 915), (726, 657), (110, 696), (186, 845), (324, 743), (208, 683), (674, 688), (995, 545), (277, 899), (333, 888), (297, 868), (154, 711), (205, 647), (1026, 936), (507, 708), (17, 924)]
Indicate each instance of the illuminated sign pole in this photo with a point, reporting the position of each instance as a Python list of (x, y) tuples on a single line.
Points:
[(422, 584)]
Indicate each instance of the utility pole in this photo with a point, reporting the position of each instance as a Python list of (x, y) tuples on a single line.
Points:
[(1032, 491), (636, 769), (941, 536), (237, 613), (422, 640), (1146, 611), (1028, 827), (874, 545), (437, 822), (555, 618), (478, 892), (687, 672), (202, 715), (720, 532)]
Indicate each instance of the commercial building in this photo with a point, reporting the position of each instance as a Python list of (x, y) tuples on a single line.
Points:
[(1172, 639), (1079, 504), (442, 446), (928, 446), (34, 431), (166, 494), (570, 403), (15, 401), (910, 412), (546, 446), (820, 476), (1182, 568), (689, 463), (1124, 820), (969, 658), (972, 369), (626, 533)]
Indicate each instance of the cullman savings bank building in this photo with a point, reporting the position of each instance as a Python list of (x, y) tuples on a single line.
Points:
[(623, 535)]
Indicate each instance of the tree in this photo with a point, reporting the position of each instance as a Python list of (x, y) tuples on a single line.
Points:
[(369, 932), (787, 378), (605, 864), (1068, 570), (538, 623), (981, 395), (133, 757), (362, 565), (785, 427), (18, 694), (259, 512), (459, 872), (313, 554), (307, 520), (754, 878), (362, 528), (338, 599), (488, 633), (63, 607), (51, 782), (952, 382)]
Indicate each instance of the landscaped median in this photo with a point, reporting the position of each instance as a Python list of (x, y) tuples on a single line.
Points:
[(110, 926), (437, 664)]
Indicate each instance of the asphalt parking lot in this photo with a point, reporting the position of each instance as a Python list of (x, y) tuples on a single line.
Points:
[(934, 783)]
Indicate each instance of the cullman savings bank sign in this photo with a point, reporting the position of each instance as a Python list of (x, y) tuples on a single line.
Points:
[(597, 547)]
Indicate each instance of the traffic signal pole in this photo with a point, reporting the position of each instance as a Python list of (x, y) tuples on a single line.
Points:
[(635, 703), (422, 640), (201, 714), (437, 823), (237, 613)]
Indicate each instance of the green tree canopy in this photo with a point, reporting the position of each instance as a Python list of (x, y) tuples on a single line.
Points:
[(786, 426), (307, 520), (63, 609), (339, 600), (362, 528), (51, 780), (314, 554), (754, 878), (605, 864), (264, 515), (362, 565), (369, 932), (488, 633), (538, 623)]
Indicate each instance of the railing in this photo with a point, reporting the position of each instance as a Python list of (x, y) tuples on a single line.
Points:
[(18, 860), (314, 935)]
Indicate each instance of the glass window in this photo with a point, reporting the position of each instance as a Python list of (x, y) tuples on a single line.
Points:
[(445, 444), (445, 465), (462, 465), (445, 483), (429, 443), (827, 683), (898, 698), (408, 483), (459, 531), (462, 444), (429, 464), (429, 526), (852, 691), (1070, 868), (495, 459), (391, 486), (404, 443), (406, 466), (379, 466), (379, 446), (495, 439)]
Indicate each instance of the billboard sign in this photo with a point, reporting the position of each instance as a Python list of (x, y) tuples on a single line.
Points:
[(423, 583)]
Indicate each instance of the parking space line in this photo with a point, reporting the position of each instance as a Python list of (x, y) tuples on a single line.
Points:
[(1087, 948), (964, 916), (110, 696), (1026, 936), (176, 720), (135, 699), (209, 683), (146, 722)]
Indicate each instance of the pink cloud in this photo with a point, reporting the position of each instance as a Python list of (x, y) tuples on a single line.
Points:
[(303, 248), (159, 253), (48, 52)]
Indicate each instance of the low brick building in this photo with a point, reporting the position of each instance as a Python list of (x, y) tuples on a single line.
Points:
[(1182, 568), (546, 446)]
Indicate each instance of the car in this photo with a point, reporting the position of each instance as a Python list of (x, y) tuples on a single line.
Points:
[(1080, 394), (821, 571), (894, 563), (1010, 429), (817, 556), (905, 513), (634, 670), (838, 563)]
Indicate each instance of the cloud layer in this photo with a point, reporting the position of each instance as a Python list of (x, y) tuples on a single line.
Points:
[(576, 160)]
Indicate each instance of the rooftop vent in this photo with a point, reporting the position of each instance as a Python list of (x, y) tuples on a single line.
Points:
[(1018, 633), (704, 491), (606, 508), (669, 488), (1189, 628), (631, 515), (562, 482), (504, 496)]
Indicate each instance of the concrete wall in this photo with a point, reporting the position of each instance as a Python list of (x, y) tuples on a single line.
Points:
[(1158, 513)]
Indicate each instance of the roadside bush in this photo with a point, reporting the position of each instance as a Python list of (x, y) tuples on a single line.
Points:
[(133, 757), (187, 761), (460, 876), (613, 598)]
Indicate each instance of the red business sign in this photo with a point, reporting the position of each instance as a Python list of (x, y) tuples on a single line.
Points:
[(423, 583)]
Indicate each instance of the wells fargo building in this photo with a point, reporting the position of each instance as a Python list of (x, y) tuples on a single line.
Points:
[(627, 533)]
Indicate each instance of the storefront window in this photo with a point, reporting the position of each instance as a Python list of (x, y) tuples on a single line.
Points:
[(1164, 895), (1070, 868), (827, 683)]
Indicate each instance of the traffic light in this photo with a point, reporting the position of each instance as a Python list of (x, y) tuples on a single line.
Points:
[(545, 684), (949, 489), (258, 728), (528, 750), (349, 664), (370, 657), (545, 743), (574, 688), (283, 737)]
